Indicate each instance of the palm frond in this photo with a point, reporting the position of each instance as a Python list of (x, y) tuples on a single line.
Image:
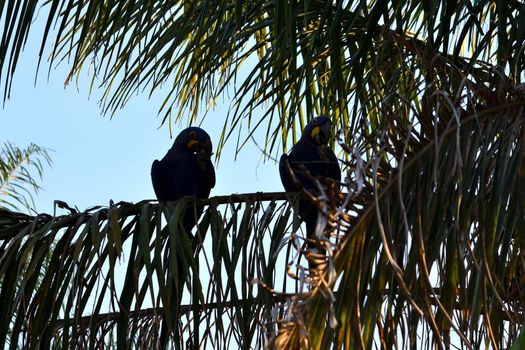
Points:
[(107, 279), (433, 249), (427, 251), (17, 174), (302, 59)]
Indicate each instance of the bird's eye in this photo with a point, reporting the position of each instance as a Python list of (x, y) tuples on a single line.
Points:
[(315, 121), (192, 133)]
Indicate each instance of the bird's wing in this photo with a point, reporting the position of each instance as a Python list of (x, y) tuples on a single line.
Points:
[(285, 170), (156, 179), (294, 179), (206, 180), (334, 170), (210, 175), (172, 179)]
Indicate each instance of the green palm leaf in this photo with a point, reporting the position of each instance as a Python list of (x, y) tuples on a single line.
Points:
[(17, 181), (303, 59), (106, 280)]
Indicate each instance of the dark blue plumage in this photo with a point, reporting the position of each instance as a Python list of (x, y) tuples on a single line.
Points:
[(318, 159), (186, 170)]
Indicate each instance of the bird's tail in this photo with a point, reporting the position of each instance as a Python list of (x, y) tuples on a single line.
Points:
[(315, 253)]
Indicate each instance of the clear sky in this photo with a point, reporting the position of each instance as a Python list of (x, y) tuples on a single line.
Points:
[(96, 158)]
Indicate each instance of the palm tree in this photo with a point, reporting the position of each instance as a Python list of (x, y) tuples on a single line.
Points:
[(424, 242)]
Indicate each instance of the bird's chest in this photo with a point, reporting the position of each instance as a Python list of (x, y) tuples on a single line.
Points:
[(315, 159), (182, 176), (194, 179), (323, 154)]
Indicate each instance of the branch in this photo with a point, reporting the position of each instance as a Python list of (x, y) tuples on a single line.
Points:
[(184, 309)]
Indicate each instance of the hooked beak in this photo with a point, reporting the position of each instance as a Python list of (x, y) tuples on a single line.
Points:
[(202, 150), (326, 133)]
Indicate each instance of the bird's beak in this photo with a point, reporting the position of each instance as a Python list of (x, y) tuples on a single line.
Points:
[(325, 133), (321, 134), (203, 154)]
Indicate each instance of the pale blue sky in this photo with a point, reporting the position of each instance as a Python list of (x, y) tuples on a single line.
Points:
[(96, 158)]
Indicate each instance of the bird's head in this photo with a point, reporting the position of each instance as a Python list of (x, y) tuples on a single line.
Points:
[(196, 141), (318, 130)]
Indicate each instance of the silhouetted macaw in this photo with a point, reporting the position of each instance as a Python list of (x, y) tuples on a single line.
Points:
[(312, 152), (186, 170)]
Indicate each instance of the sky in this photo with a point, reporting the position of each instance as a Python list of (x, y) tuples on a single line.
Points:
[(96, 158)]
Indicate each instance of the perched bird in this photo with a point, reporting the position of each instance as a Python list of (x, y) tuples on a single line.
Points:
[(186, 170), (310, 157)]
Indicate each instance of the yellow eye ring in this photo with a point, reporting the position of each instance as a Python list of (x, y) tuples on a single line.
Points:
[(315, 132), (191, 143)]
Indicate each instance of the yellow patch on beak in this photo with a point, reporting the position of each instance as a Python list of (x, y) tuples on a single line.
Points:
[(191, 143), (315, 132)]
